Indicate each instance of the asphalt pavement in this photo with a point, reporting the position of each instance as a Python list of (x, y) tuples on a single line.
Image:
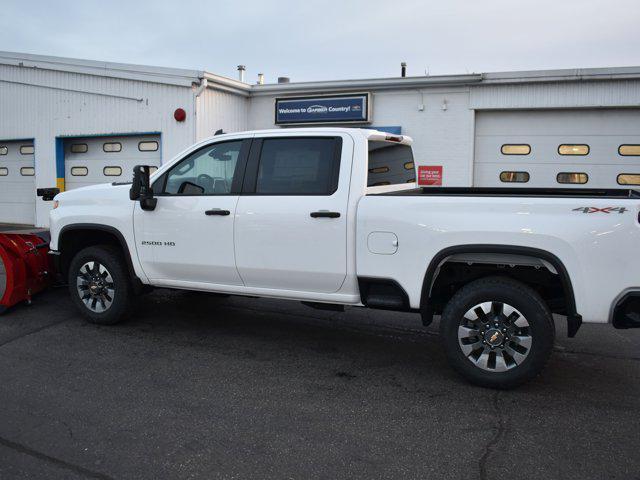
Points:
[(198, 386)]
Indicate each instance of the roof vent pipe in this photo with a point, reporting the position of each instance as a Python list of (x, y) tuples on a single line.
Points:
[(403, 69), (241, 70), (284, 79), (261, 79)]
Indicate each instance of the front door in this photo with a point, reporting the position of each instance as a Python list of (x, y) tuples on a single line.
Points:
[(189, 236), (291, 226)]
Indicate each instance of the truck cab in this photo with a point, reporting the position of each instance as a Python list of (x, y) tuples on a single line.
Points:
[(268, 213)]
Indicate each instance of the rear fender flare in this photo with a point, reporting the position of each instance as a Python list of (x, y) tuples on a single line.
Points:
[(573, 318)]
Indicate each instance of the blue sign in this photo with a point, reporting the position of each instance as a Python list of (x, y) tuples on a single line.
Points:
[(336, 109)]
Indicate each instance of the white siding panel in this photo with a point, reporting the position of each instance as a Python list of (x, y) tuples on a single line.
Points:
[(44, 104), (557, 95), (221, 110)]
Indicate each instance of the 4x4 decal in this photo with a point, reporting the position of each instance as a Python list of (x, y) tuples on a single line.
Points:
[(600, 210)]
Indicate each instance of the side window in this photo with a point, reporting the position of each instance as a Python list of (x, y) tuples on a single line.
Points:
[(299, 166), (208, 171)]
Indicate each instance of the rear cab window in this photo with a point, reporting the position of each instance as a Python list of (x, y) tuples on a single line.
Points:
[(390, 163)]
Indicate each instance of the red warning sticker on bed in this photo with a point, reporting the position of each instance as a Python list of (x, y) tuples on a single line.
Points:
[(430, 175)]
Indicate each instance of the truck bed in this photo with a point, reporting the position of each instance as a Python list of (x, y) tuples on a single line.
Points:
[(593, 232), (517, 192)]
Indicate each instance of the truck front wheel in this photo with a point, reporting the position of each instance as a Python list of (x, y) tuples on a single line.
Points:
[(497, 332), (99, 284)]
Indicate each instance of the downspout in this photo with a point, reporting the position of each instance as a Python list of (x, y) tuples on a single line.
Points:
[(201, 88)]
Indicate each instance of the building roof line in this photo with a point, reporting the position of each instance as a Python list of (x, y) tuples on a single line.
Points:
[(531, 76), (370, 83), (218, 82), (185, 77), (172, 76)]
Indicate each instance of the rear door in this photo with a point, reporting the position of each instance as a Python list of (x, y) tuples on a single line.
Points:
[(291, 226), (17, 182)]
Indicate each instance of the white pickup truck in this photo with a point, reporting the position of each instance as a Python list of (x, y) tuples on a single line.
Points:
[(332, 217)]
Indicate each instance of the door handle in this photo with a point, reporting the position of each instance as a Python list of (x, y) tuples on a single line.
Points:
[(217, 211), (325, 214)]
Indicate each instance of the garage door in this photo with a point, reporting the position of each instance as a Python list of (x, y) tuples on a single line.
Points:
[(17, 182), (558, 148), (94, 160)]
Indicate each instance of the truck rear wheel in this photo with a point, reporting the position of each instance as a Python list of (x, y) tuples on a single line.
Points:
[(99, 284), (497, 332)]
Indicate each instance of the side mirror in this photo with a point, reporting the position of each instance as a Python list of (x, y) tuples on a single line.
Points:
[(141, 188), (47, 194)]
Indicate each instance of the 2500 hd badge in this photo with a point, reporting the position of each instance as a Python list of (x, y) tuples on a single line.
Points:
[(152, 243)]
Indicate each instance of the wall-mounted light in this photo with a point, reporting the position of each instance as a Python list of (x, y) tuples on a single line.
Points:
[(180, 115), (444, 104)]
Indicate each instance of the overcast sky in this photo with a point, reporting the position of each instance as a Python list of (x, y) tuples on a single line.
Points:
[(330, 39)]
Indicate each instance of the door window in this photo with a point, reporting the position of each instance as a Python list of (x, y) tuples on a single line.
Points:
[(208, 171), (298, 166)]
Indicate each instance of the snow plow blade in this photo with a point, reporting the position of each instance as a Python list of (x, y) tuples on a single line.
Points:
[(25, 267)]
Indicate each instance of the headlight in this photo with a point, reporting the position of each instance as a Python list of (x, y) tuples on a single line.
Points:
[(56, 204)]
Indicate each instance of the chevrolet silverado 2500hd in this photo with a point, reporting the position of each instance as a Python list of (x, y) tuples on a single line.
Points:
[(332, 216)]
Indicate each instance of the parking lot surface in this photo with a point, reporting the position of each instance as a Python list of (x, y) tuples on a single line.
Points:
[(198, 386)]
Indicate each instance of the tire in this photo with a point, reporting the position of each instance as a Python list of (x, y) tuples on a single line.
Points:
[(499, 357), (100, 273)]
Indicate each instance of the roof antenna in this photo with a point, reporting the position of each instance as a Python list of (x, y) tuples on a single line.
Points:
[(219, 132)]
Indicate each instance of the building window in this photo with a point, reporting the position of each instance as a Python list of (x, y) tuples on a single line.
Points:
[(4, 171), (516, 149), (379, 170), (79, 148), (111, 147), (27, 149), (79, 171), (27, 171), (112, 171), (573, 149), (514, 177), (572, 177), (3, 150), (629, 179), (148, 146), (629, 150)]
